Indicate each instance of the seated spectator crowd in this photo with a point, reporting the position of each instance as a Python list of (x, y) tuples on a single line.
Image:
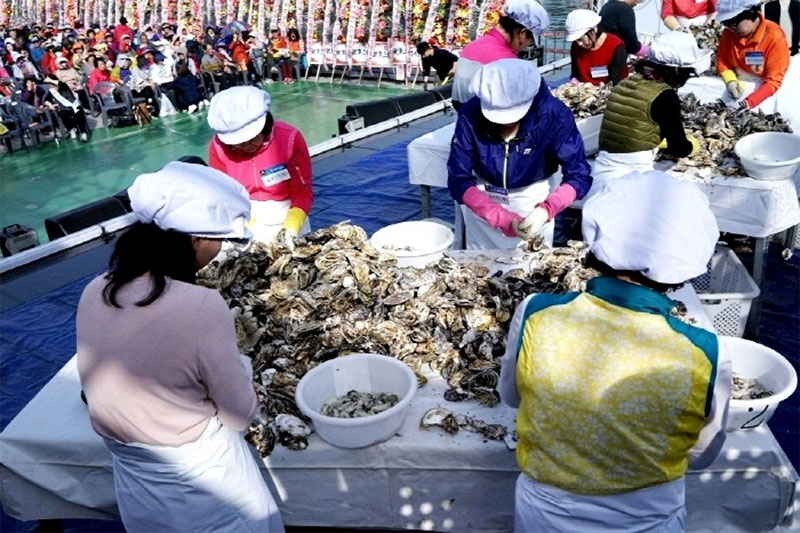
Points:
[(72, 72)]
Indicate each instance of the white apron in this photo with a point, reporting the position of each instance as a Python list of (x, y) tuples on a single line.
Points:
[(266, 219), (696, 21), (540, 507), (211, 484), (481, 236)]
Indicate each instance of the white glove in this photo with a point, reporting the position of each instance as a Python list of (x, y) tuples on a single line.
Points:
[(532, 223)]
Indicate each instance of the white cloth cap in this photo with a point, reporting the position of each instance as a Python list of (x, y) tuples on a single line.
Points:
[(579, 22), (238, 114), (192, 199), (506, 88), (677, 48), (651, 223), (529, 13), (62, 59), (727, 9)]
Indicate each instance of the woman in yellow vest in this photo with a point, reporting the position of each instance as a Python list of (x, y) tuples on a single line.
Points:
[(644, 112), (616, 397)]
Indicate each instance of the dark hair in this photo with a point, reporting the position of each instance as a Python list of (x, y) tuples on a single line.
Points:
[(193, 159), (141, 61), (181, 69), (148, 249), (422, 47), (673, 76), (123, 20), (293, 33), (266, 131), (509, 24), (592, 261)]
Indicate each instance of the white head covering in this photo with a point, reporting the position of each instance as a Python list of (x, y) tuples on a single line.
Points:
[(192, 199), (238, 114), (506, 88), (677, 48), (727, 9), (651, 223), (580, 21), (529, 13)]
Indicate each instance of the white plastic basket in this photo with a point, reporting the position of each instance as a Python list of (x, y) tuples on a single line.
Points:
[(726, 291)]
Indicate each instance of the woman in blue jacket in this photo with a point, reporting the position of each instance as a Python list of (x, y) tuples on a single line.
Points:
[(508, 140)]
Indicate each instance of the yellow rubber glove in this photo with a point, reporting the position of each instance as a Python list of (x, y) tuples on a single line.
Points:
[(294, 220), (732, 83), (663, 144)]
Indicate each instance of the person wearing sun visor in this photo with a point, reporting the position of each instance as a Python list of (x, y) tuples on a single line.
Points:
[(752, 57), (268, 157), (507, 142)]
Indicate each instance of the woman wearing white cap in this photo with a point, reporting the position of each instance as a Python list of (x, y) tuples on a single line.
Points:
[(165, 384), (270, 158), (520, 24), (753, 61), (505, 142), (644, 113), (597, 57), (616, 397)]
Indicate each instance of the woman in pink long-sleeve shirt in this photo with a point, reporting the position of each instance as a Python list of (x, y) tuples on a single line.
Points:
[(165, 384)]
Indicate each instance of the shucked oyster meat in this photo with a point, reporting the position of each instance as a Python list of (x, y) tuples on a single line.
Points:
[(356, 404)]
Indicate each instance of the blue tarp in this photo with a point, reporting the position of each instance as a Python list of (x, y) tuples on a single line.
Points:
[(38, 337)]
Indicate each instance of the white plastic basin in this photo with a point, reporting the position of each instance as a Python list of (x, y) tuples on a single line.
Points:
[(414, 243), (755, 361), (363, 372), (769, 155)]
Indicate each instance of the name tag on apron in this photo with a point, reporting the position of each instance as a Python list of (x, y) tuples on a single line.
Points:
[(272, 175), (497, 194), (598, 72), (754, 59)]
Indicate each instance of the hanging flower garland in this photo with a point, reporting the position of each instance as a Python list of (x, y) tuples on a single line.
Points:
[(385, 19), (273, 19), (311, 22), (409, 17), (397, 11), (352, 21), (285, 6), (489, 15), (420, 12), (375, 16), (363, 20), (436, 36), (326, 23)]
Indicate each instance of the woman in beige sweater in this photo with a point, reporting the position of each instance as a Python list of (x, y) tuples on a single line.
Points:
[(165, 384)]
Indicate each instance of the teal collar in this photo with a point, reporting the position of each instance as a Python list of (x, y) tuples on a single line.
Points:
[(629, 295)]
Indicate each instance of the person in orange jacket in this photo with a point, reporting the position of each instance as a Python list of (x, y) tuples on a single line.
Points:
[(753, 54)]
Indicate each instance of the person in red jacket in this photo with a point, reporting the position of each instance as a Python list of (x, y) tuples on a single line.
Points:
[(269, 158), (597, 57), (678, 14), (122, 29), (48, 63)]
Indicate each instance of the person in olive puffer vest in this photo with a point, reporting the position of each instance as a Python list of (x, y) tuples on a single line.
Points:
[(644, 113)]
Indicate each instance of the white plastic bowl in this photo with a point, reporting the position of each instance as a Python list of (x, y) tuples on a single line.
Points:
[(364, 372), (426, 239), (769, 155), (755, 361)]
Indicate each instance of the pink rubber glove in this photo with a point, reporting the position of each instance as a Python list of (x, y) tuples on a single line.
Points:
[(494, 215), (559, 199), (644, 51), (574, 81)]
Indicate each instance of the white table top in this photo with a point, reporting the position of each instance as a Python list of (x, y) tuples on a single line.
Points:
[(745, 206), (54, 466)]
